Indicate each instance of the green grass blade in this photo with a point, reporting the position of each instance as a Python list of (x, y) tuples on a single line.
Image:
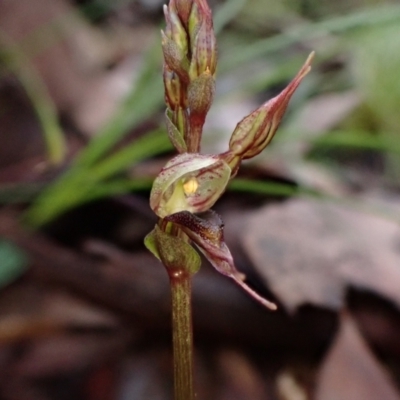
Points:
[(17, 193), (145, 98), (226, 13), (13, 262), (80, 184), (262, 187), (347, 138), (372, 16), (152, 143), (36, 90), (358, 139), (120, 187)]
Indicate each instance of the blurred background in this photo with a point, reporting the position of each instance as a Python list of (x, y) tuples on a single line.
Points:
[(313, 221)]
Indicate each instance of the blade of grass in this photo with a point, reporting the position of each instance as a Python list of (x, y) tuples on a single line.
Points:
[(73, 187), (146, 97), (79, 183), (16, 193), (13, 262), (344, 138), (371, 16), (144, 147), (226, 12), (120, 187), (36, 90), (270, 188), (279, 189), (358, 139)]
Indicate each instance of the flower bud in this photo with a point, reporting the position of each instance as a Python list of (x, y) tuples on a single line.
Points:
[(183, 8), (199, 13), (200, 95), (191, 182), (202, 39), (174, 92), (175, 58), (174, 30), (254, 132)]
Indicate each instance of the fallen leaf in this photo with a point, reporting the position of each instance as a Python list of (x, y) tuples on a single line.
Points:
[(289, 388), (240, 378), (350, 370), (309, 251), (64, 354)]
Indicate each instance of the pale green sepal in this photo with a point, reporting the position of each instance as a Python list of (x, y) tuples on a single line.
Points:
[(175, 253), (150, 242), (174, 135)]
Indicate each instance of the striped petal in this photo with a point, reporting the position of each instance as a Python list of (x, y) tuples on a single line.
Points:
[(189, 182)]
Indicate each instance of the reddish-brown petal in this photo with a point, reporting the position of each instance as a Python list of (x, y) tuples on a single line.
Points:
[(192, 182), (254, 132), (209, 238)]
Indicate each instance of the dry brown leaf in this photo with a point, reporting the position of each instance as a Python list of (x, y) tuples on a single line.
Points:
[(289, 388), (145, 377), (63, 354), (240, 378), (309, 251), (350, 371), (31, 312)]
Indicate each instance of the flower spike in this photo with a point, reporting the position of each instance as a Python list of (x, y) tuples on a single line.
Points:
[(190, 183)]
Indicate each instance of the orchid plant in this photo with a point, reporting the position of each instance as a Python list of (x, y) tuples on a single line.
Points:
[(190, 183)]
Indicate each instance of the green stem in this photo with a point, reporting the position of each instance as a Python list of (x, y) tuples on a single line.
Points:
[(182, 334)]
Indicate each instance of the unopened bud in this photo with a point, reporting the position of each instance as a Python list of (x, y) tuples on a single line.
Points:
[(183, 8), (174, 29), (200, 97), (201, 94), (175, 58), (200, 12), (203, 42), (254, 132), (174, 96)]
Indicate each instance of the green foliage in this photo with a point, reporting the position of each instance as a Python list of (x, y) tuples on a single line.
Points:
[(16, 61), (376, 65), (376, 69), (13, 262), (91, 174), (86, 182), (309, 31)]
